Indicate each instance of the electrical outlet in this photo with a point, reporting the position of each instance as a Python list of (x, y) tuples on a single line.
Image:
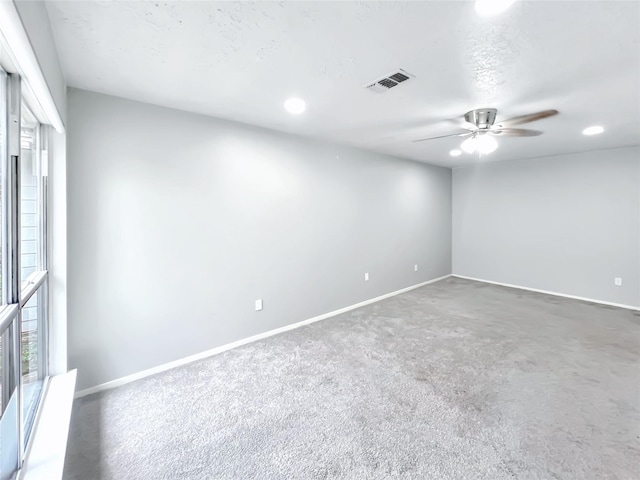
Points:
[(617, 281), (366, 277), (415, 267), (258, 304)]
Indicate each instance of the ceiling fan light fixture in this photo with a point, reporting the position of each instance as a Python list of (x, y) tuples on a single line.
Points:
[(486, 144), (470, 144), (482, 143), (490, 8)]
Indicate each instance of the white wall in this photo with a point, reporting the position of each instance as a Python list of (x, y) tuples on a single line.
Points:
[(567, 224), (179, 222)]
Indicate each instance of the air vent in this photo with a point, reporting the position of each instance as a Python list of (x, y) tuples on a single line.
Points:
[(388, 81)]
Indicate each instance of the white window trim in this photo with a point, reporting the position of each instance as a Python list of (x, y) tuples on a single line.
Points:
[(7, 314), (24, 62), (45, 455), (35, 280)]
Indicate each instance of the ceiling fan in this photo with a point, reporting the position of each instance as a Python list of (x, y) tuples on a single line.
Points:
[(483, 129)]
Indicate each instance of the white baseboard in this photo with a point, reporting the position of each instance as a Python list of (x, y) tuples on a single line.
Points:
[(223, 348), (575, 297)]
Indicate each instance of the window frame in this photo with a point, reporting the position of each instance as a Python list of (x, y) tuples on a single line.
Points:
[(16, 293)]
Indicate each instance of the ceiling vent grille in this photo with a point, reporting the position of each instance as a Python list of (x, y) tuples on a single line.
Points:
[(388, 82)]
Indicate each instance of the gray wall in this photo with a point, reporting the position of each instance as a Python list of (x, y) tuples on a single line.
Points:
[(567, 224), (179, 222)]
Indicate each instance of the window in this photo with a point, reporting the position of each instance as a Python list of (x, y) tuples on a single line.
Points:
[(32, 268), (23, 277)]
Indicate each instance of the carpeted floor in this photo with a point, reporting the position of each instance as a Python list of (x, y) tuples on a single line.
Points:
[(455, 380)]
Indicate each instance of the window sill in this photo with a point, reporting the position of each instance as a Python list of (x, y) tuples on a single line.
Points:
[(45, 457)]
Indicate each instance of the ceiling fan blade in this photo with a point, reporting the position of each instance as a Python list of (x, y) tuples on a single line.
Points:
[(532, 117), (464, 134), (515, 132)]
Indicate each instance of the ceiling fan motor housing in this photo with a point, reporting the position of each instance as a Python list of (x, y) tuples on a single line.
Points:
[(482, 118)]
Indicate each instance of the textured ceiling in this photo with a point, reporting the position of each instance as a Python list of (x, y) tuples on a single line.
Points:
[(241, 60)]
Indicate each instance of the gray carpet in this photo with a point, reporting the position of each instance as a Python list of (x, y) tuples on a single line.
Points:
[(455, 380)]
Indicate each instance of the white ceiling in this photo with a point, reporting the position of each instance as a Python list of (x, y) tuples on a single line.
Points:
[(241, 60)]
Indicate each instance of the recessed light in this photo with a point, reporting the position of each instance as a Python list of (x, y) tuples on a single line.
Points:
[(455, 153), (489, 8), (295, 106), (596, 129)]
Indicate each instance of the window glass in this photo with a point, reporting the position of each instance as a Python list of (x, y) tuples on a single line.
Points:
[(32, 360), (29, 195), (32, 344), (9, 420), (9, 425), (3, 192)]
